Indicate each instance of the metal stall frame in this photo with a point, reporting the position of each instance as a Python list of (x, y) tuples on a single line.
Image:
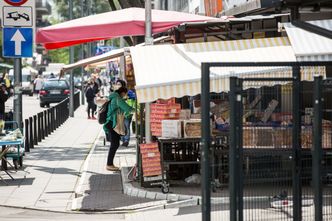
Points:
[(235, 182)]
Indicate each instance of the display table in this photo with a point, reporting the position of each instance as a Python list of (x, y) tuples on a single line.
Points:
[(17, 155)]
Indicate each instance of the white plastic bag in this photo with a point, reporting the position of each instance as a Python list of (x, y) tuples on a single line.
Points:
[(194, 179)]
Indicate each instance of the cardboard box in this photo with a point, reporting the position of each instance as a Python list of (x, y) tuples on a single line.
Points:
[(192, 128), (185, 114), (171, 128)]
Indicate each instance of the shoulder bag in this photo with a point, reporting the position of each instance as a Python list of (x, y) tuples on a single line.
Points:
[(120, 127)]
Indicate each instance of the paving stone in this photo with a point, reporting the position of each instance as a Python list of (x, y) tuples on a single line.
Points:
[(141, 193), (134, 192), (151, 195), (161, 196), (172, 197)]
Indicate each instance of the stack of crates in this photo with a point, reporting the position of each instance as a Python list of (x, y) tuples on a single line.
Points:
[(163, 110), (150, 159)]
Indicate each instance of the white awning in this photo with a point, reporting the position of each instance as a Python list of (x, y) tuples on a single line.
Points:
[(166, 71), (103, 57), (107, 56), (309, 46)]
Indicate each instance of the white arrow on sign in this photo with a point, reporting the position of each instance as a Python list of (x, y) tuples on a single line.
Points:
[(18, 38)]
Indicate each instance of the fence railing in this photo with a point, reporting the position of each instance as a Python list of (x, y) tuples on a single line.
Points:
[(42, 124)]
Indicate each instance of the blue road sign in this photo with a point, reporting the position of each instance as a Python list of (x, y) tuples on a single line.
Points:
[(17, 42)]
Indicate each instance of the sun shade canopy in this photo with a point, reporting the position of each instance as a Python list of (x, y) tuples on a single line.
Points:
[(309, 46), (175, 70), (126, 22)]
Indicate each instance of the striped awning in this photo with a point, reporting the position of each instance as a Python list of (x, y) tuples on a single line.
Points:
[(166, 71), (309, 46)]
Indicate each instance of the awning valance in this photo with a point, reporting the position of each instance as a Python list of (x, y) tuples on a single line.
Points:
[(166, 71)]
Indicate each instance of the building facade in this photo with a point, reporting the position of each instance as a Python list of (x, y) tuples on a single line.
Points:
[(172, 5)]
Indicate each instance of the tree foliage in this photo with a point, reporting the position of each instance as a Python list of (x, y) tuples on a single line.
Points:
[(89, 7)]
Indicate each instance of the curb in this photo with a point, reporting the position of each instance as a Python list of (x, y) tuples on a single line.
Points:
[(173, 200), (176, 200)]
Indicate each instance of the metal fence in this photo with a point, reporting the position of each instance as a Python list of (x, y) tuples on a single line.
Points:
[(277, 163), (39, 126)]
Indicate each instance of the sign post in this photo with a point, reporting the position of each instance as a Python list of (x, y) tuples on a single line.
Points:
[(18, 20)]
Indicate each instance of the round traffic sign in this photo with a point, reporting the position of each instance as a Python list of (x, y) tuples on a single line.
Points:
[(16, 2)]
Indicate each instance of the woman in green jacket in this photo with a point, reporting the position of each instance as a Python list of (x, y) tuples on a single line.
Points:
[(117, 103)]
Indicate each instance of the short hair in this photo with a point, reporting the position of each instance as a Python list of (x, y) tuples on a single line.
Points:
[(122, 82)]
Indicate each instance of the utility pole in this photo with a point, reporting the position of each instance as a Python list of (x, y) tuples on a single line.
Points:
[(148, 41), (17, 91), (71, 60)]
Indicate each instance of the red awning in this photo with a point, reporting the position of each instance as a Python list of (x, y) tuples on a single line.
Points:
[(126, 22)]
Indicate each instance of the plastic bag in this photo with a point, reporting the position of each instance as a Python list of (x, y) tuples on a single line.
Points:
[(194, 179)]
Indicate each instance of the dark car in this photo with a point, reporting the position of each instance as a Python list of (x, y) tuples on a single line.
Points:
[(53, 91)]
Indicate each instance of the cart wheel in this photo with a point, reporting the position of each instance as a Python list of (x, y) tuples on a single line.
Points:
[(165, 188)]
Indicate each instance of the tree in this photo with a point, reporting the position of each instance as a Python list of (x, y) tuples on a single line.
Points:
[(89, 7)]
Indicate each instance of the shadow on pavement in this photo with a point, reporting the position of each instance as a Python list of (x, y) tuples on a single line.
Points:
[(59, 153), (57, 170), (17, 182), (105, 193)]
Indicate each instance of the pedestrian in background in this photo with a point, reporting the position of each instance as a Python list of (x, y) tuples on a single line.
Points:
[(131, 101), (3, 99), (8, 84), (90, 99), (116, 104), (38, 82)]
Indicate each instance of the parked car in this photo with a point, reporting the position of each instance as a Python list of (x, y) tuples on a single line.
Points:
[(53, 91)]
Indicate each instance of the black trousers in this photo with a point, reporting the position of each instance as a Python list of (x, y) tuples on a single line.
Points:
[(115, 143), (92, 107)]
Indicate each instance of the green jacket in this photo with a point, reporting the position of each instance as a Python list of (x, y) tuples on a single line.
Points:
[(116, 104)]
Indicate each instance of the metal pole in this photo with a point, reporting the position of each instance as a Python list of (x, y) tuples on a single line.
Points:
[(148, 41), (232, 153), (205, 143), (317, 151), (297, 188), (17, 91), (71, 60), (82, 57), (122, 60)]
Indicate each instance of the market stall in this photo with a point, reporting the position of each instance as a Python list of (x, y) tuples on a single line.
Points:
[(179, 73)]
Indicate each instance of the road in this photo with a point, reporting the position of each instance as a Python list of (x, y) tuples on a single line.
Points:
[(30, 105)]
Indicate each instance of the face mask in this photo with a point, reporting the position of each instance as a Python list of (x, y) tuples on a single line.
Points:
[(116, 87)]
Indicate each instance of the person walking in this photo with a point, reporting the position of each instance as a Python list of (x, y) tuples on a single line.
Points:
[(116, 104), (3, 99), (38, 82), (131, 101), (90, 96)]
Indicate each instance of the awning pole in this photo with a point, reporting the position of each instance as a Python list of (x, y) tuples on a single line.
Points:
[(122, 60), (148, 41), (71, 60)]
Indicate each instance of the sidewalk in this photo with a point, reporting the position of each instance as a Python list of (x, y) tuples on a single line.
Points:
[(100, 189), (52, 167)]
